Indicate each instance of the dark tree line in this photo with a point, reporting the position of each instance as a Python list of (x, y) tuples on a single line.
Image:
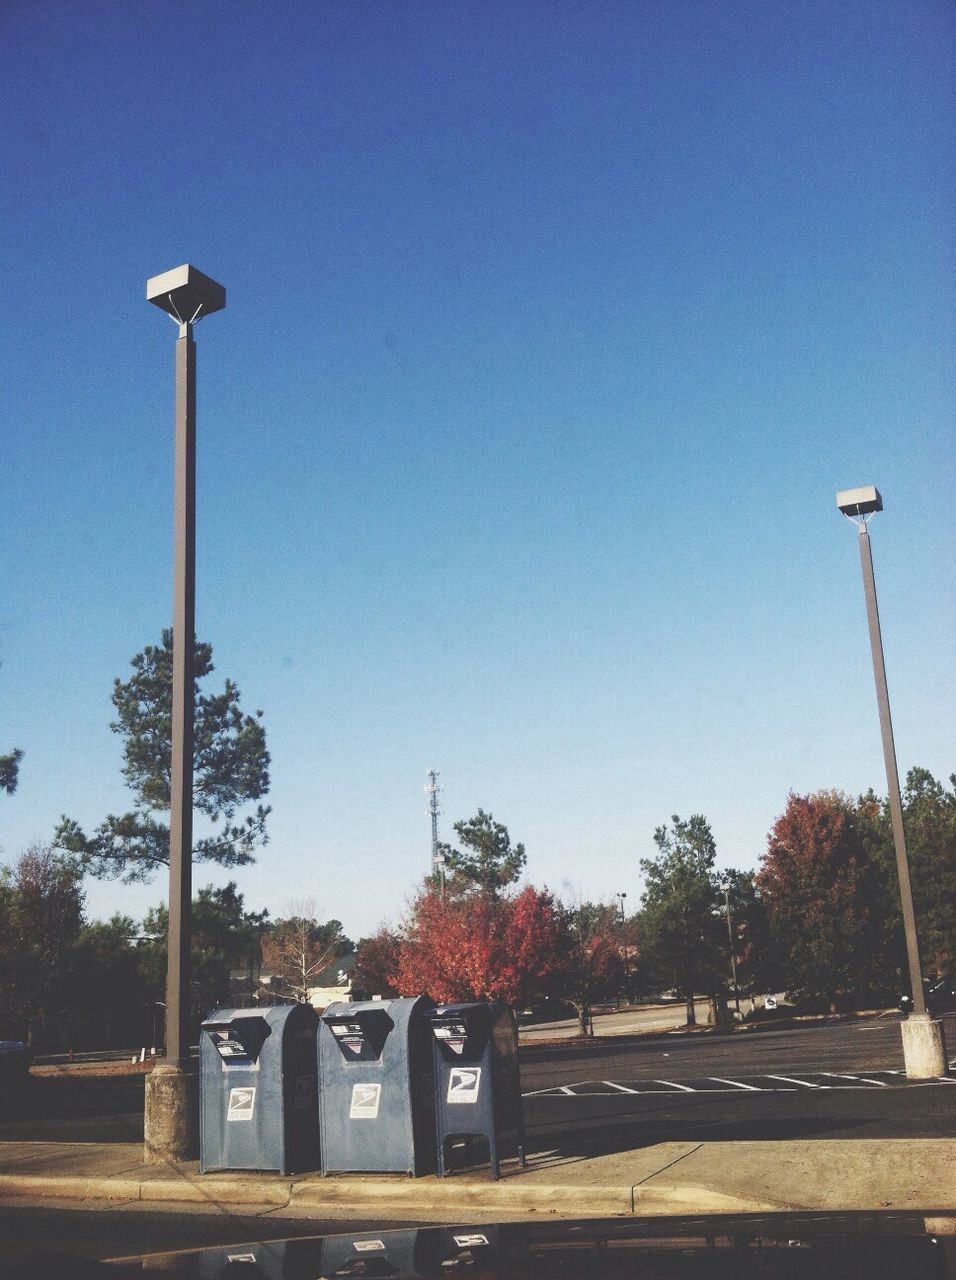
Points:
[(821, 917), (69, 982)]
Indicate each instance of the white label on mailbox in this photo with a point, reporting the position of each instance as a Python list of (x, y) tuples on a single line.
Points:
[(230, 1049), (241, 1104), (463, 1084), (365, 1100), (303, 1093), (471, 1241), (368, 1246)]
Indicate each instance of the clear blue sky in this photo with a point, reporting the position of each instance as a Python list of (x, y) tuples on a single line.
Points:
[(552, 330)]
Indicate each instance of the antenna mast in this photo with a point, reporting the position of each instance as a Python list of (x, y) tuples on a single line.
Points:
[(431, 790)]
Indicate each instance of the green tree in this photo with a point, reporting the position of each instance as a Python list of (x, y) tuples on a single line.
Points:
[(231, 768), (225, 940), (757, 957), (10, 770), (41, 914), (930, 820), (487, 861), (593, 968), (679, 922), (108, 994)]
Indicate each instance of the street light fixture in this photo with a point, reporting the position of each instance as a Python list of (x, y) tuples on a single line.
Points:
[(187, 295), (725, 888), (923, 1048), (627, 992)]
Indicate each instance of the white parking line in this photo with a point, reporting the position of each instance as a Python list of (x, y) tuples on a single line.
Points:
[(789, 1080), (788, 1084), (839, 1075), (554, 1089)]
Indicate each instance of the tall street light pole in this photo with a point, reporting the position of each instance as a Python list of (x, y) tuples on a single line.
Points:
[(186, 295), (924, 1051), (627, 991)]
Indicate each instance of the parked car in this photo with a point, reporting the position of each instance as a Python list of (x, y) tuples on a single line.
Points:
[(546, 1010), (939, 995)]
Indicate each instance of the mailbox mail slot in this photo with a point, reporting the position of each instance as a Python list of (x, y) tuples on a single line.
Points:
[(239, 1040), (258, 1103), (361, 1034), (376, 1100)]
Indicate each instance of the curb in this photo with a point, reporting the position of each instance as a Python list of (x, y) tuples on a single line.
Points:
[(460, 1197), (452, 1199), (422, 1194), (691, 1199), (40, 1185)]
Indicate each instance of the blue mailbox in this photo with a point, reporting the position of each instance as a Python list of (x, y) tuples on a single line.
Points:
[(376, 1095), (258, 1105), (477, 1085)]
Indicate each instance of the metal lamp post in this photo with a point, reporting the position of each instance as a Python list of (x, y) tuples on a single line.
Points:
[(627, 991), (187, 295), (924, 1051), (725, 887)]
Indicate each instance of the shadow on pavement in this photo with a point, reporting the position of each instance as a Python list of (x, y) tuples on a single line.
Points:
[(76, 1108), (690, 1120)]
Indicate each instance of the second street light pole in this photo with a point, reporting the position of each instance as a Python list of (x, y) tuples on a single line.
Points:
[(892, 774), (171, 1127), (725, 885), (924, 1051)]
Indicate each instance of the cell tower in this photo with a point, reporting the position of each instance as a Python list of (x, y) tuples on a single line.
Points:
[(431, 790)]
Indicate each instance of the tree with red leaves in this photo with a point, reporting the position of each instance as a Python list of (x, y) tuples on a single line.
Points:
[(824, 898), (376, 963), (478, 947)]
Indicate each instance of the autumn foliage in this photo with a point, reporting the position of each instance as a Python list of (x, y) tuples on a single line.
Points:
[(376, 962), (823, 895), (478, 947)]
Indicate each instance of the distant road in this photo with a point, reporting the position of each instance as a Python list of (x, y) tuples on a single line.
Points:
[(858, 1045), (629, 1021)]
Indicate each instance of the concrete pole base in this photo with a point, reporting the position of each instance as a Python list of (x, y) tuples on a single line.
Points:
[(172, 1115), (924, 1047)]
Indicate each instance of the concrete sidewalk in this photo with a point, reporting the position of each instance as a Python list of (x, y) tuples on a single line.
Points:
[(668, 1178)]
